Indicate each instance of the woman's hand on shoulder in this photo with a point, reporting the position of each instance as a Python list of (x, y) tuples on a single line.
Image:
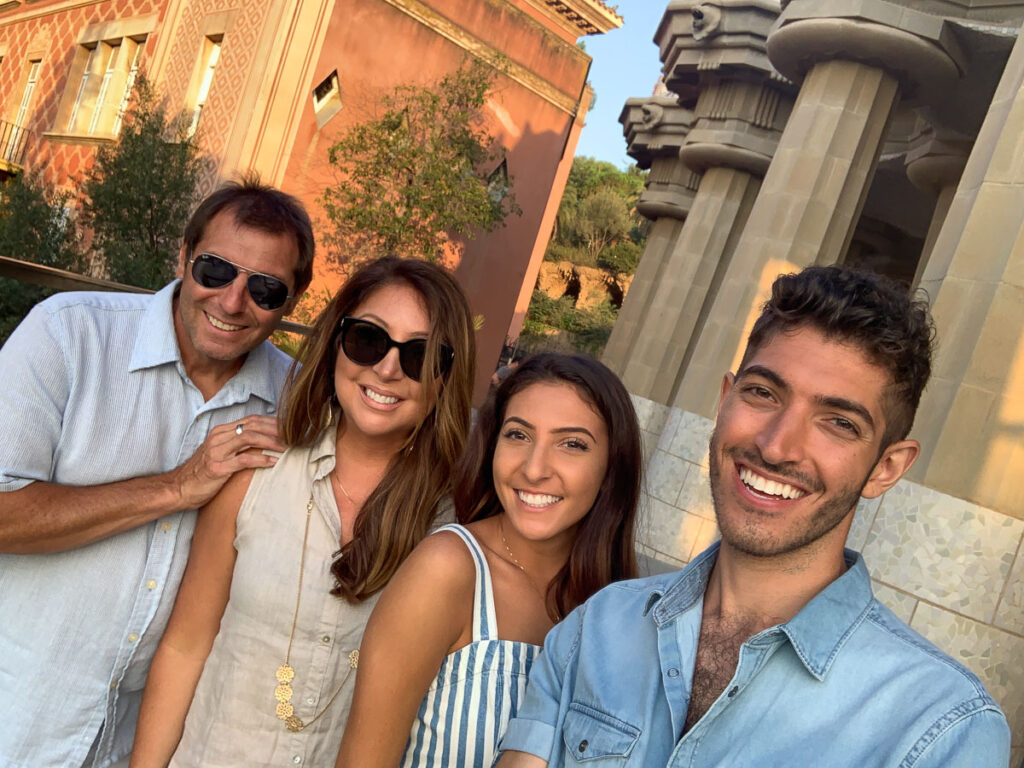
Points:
[(423, 614)]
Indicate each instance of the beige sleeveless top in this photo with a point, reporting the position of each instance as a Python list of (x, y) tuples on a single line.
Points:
[(232, 721)]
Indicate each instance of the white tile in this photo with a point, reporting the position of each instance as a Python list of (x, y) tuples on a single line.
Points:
[(942, 549), (665, 476)]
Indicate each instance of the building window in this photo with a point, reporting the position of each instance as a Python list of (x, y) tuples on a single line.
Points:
[(208, 58), (13, 137), (498, 182), (327, 99), (108, 69)]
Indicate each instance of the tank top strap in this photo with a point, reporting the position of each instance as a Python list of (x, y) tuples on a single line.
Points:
[(485, 623)]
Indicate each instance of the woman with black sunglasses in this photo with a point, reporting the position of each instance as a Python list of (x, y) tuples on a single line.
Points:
[(375, 419)]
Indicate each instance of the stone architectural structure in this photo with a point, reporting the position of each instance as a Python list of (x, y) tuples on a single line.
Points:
[(272, 84), (876, 132)]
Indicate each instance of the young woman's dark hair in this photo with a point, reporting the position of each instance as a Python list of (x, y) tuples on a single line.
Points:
[(400, 510), (603, 549)]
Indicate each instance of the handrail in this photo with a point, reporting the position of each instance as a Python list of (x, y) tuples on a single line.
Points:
[(62, 280), (13, 141)]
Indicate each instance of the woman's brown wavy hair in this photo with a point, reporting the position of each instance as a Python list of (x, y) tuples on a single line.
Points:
[(602, 551), (399, 512)]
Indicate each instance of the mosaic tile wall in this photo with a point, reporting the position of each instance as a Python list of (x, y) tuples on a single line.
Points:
[(951, 569)]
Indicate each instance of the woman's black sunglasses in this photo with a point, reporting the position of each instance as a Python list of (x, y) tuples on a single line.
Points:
[(212, 271), (366, 343)]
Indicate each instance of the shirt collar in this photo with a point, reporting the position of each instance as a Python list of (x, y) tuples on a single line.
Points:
[(817, 632), (322, 451), (156, 344)]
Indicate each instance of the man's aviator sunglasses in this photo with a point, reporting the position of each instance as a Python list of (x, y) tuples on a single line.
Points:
[(366, 343), (210, 271)]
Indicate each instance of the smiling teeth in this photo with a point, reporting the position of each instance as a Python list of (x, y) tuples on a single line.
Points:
[(379, 398), (223, 326), (769, 487), (538, 499)]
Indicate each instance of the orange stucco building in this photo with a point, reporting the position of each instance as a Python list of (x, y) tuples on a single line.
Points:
[(273, 84)]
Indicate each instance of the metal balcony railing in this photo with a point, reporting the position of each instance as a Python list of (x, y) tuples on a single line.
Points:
[(13, 141)]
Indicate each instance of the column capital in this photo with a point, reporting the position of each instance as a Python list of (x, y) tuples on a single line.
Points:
[(918, 49), (655, 126), (726, 38), (936, 157), (655, 129)]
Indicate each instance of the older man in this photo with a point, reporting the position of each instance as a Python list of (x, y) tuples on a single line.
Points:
[(769, 649), (118, 415)]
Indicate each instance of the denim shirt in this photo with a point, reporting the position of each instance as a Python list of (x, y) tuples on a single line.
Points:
[(844, 683), (94, 391)]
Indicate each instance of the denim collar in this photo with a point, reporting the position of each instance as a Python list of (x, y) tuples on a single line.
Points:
[(817, 633), (156, 344)]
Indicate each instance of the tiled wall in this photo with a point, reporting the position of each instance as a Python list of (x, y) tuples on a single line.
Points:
[(952, 570)]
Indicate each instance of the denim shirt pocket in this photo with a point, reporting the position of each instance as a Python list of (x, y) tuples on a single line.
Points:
[(591, 735)]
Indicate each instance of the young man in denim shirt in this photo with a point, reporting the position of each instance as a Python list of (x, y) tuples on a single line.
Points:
[(119, 413), (769, 649)]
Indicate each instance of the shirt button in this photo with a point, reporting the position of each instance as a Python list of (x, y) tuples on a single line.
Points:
[(673, 672), (151, 584), (325, 639), (583, 745), (132, 637), (734, 691), (165, 527), (310, 700), (297, 759)]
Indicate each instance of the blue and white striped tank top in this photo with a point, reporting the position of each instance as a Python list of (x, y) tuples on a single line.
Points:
[(477, 691)]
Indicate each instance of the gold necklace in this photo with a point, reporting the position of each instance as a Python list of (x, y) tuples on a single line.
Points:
[(286, 673), (515, 561), (501, 532), (337, 479)]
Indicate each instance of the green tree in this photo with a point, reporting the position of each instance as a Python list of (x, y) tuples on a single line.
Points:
[(34, 226), (597, 222), (422, 173), (139, 191)]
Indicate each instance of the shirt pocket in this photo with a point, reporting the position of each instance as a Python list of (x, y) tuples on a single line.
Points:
[(590, 735)]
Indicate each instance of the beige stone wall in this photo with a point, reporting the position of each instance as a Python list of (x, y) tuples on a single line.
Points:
[(953, 570)]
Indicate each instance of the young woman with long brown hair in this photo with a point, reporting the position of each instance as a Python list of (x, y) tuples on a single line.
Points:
[(547, 495), (257, 665)]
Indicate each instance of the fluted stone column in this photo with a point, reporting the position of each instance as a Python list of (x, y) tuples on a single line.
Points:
[(935, 163), (655, 129), (716, 54), (971, 419), (854, 66)]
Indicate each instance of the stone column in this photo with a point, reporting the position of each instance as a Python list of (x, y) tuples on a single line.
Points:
[(971, 420), (714, 57), (935, 162), (655, 129), (854, 66)]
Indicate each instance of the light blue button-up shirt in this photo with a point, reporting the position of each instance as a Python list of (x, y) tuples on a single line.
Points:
[(844, 683), (94, 391)]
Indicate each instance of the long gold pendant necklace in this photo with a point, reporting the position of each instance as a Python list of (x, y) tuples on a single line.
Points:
[(286, 673)]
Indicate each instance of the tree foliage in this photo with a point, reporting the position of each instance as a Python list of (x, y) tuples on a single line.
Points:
[(34, 226), (139, 192), (418, 175), (597, 220)]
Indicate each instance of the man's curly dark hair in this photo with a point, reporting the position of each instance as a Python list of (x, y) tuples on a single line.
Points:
[(893, 329)]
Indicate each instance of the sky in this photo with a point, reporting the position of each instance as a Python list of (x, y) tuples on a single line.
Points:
[(625, 65)]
